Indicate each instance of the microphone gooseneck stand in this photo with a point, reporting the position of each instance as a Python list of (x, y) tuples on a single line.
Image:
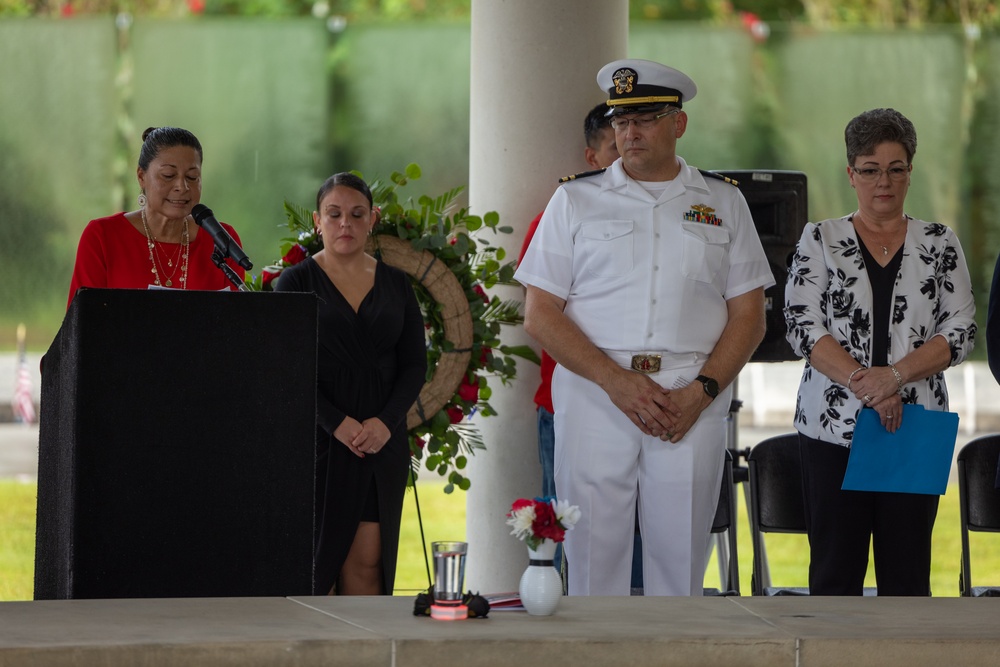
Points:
[(220, 261)]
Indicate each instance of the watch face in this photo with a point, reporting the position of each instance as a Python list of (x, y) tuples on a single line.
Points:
[(710, 385)]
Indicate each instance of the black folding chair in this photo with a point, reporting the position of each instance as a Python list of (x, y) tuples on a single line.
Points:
[(979, 503), (725, 522), (776, 504)]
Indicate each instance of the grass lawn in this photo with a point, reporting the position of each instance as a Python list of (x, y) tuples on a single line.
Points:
[(444, 519), (17, 540)]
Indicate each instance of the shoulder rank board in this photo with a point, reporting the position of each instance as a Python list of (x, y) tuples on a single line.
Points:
[(582, 174), (712, 174)]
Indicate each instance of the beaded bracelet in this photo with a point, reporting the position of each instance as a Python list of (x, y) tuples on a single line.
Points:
[(899, 378), (851, 376)]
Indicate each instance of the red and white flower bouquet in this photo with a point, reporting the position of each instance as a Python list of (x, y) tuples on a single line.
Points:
[(540, 519)]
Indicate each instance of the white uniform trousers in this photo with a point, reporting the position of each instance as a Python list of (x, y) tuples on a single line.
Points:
[(603, 463)]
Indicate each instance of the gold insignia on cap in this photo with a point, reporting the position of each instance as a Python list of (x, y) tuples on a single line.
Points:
[(624, 79)]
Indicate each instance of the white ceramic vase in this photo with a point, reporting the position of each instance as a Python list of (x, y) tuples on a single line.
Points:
[(541, 586)]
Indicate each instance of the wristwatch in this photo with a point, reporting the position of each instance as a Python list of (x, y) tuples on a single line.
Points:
[(710, 385)]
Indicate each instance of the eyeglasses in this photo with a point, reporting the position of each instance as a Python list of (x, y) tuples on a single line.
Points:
[(874, 174), (620, 124)]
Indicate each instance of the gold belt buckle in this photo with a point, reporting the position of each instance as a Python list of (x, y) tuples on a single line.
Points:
[(646, 363)]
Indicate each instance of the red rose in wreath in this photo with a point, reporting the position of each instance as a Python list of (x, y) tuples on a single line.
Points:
[(469, 391), (294, 255)]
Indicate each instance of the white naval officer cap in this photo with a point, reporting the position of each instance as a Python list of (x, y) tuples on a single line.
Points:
[(643, 86)]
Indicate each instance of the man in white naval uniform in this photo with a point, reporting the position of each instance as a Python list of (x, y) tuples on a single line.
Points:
[(646, 284)]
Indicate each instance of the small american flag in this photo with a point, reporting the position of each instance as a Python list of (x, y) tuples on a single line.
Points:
[(22, 403)]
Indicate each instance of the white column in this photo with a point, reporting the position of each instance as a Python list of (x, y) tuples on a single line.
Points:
[(533, 69)]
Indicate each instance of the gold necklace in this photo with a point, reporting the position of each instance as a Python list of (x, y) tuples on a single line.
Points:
[(167, 259), (885, 248), (183, 252)]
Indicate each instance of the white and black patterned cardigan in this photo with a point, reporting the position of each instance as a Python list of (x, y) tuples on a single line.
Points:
[(828, 292)]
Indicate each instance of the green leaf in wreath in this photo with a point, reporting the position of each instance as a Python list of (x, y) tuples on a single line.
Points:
[(522, 351)]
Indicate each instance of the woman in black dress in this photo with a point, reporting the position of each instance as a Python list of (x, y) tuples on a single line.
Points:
[(371, 366)]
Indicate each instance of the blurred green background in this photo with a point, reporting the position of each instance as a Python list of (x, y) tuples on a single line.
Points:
[(280, 103)]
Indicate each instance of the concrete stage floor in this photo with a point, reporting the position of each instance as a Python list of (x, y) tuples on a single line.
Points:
[(381, 631)]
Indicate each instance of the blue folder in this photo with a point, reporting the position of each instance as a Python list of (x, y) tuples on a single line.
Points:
[(915, 459)]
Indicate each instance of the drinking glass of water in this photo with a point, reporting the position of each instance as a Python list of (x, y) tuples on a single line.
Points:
[(449, 571)]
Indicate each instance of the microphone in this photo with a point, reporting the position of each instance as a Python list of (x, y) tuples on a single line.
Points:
[(224, 242)]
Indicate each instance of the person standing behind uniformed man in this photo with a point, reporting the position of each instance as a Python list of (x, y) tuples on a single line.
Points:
[(600, 150), (646, 285)]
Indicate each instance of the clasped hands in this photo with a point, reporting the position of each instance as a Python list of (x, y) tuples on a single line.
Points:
[(367, 437), (878, 388), (666, 414)]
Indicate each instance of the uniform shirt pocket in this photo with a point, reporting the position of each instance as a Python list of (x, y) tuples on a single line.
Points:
[(607, 246), (704, 250)]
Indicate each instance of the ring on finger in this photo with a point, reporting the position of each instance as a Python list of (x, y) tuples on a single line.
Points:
[(867, 398), (888, 416)]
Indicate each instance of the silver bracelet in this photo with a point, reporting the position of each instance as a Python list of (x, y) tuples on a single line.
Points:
[(899, 378), (851, 376)]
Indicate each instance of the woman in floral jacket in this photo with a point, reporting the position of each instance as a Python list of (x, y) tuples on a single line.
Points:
[(878, 304)]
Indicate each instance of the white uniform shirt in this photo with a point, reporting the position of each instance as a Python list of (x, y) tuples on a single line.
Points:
[(640, 273)]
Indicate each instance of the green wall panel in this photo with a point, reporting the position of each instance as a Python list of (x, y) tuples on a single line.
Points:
[(256, 94), (57, 143), (828, 78), (405, 99)]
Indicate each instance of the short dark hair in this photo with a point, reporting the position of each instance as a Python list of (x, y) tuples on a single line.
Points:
[(867, 130), (347, 179), (595, 122), (155, 139)]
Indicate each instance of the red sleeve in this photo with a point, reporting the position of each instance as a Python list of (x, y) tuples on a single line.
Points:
[(527, 237), (91, 268)]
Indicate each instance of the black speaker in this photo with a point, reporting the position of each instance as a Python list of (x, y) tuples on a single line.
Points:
[(177, 446), (779, 208)]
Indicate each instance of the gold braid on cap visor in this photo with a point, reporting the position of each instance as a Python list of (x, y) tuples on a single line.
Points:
[(628, 101)]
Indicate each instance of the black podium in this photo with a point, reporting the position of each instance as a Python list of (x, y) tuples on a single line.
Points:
[(177, 446)]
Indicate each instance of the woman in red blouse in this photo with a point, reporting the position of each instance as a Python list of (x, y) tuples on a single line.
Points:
[(158, 245)]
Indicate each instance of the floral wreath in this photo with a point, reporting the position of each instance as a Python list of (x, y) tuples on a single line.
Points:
[(451, 269)]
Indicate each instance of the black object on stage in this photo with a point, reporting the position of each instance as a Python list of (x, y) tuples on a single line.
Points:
[(177, 446), (779, 207), (225, 246)]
